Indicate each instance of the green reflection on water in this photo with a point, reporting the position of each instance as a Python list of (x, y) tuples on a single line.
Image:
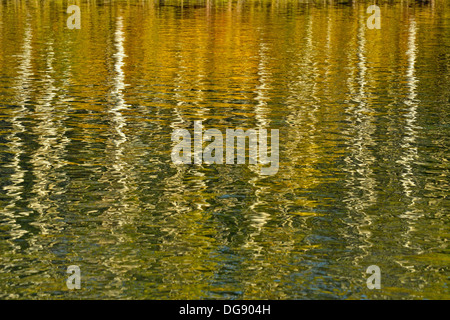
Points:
[(86, 176)]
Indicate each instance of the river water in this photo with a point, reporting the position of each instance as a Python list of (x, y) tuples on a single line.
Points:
[(87, 179)]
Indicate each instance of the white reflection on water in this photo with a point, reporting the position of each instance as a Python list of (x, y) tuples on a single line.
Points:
[(119, 86), (258, 214), (303, 105), (118, 174), (360, 181), (409, 140), (46, 131), (409, 143), (50, 111), (16, 144), (182, 229)]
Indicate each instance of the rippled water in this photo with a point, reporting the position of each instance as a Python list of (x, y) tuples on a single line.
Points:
[(86, 176)]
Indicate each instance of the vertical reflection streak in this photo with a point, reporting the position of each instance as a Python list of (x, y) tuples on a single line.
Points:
[(118, 119), (258, 215), (15, 191), (302, 102), (118, 216), (119, 86), (409, 142), (360, 182), (43, 158), (118, 172)]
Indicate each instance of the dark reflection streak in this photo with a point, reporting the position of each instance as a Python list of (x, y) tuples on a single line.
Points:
[(182, 89), (328, 47), (312, 109), (300, 147), (202, 112), (409, 140), (297, 120)]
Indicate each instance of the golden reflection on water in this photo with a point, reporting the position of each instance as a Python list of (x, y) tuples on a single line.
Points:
[(86, 175)]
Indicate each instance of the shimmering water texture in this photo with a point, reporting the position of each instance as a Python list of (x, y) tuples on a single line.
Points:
[(86, 176)]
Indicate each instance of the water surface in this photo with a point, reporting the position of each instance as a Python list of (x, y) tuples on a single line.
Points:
[(86, 176)]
